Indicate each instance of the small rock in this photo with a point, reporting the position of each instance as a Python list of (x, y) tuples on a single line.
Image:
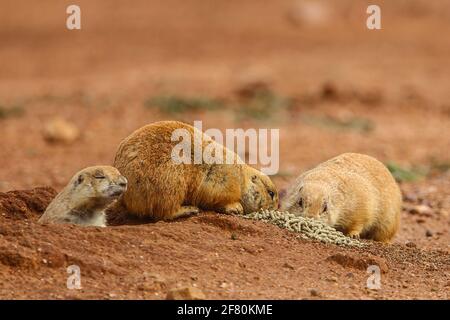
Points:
[(289, 266), (443, 213), (422, 210), (250, 88), (361, 262), (4, 186), (428, 233), (185, 293), (308, 13), (410, 197), (314, 292), (154, 281), (60, 131), (331, 279), (350, 275), (330, 91)]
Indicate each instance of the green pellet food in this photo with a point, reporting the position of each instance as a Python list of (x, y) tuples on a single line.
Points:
[(307, 228)]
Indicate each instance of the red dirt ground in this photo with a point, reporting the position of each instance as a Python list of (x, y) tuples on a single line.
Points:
[(99, 78)]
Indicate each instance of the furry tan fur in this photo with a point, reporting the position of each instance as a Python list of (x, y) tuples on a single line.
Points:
[(352, 192), (163, 189), (84, 200)]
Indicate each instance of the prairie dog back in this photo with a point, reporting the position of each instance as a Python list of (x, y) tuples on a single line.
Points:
[(162, 187)]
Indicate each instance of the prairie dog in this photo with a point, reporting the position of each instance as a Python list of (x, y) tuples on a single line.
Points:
[(160, 188), (352, 192), (85, 198)]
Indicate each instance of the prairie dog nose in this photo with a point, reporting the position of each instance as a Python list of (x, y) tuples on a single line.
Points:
[(122, 181)]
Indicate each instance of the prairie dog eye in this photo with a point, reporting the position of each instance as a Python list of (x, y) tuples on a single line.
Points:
[(300, 203), (325, 207), (271, 193)]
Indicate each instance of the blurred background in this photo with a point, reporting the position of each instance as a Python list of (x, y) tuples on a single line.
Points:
[(309, 68)]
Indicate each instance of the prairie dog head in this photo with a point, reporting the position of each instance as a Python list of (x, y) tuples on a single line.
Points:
[(310, 200), (101, 183), (259, 192)]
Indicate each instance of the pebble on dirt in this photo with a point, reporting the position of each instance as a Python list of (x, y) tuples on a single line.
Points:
[(314, 293), (422, 210), (59, 130), (185, 293)]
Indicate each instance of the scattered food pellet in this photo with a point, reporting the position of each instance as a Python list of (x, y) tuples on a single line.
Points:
[(411, 244)]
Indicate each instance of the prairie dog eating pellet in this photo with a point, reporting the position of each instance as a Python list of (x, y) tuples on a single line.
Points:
[(162, 189), (354, 193)]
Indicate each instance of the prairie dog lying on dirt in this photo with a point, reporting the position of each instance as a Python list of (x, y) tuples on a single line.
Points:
[(160, 188), (84, 200), (352, 192)]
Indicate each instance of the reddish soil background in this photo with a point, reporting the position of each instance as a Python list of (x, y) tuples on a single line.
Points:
[(326, 62)]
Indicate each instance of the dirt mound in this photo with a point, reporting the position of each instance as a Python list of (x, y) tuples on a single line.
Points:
[(225, 224), (16, 259), (117, 215), (359, 261), (223, 256), (25, 204)]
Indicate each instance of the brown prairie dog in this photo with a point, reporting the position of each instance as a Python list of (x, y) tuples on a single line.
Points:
[(84, 200), (352, 192), (163, 189)]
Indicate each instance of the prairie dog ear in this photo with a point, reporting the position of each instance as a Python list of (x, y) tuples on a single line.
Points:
[(99, 174), (254, 178)]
